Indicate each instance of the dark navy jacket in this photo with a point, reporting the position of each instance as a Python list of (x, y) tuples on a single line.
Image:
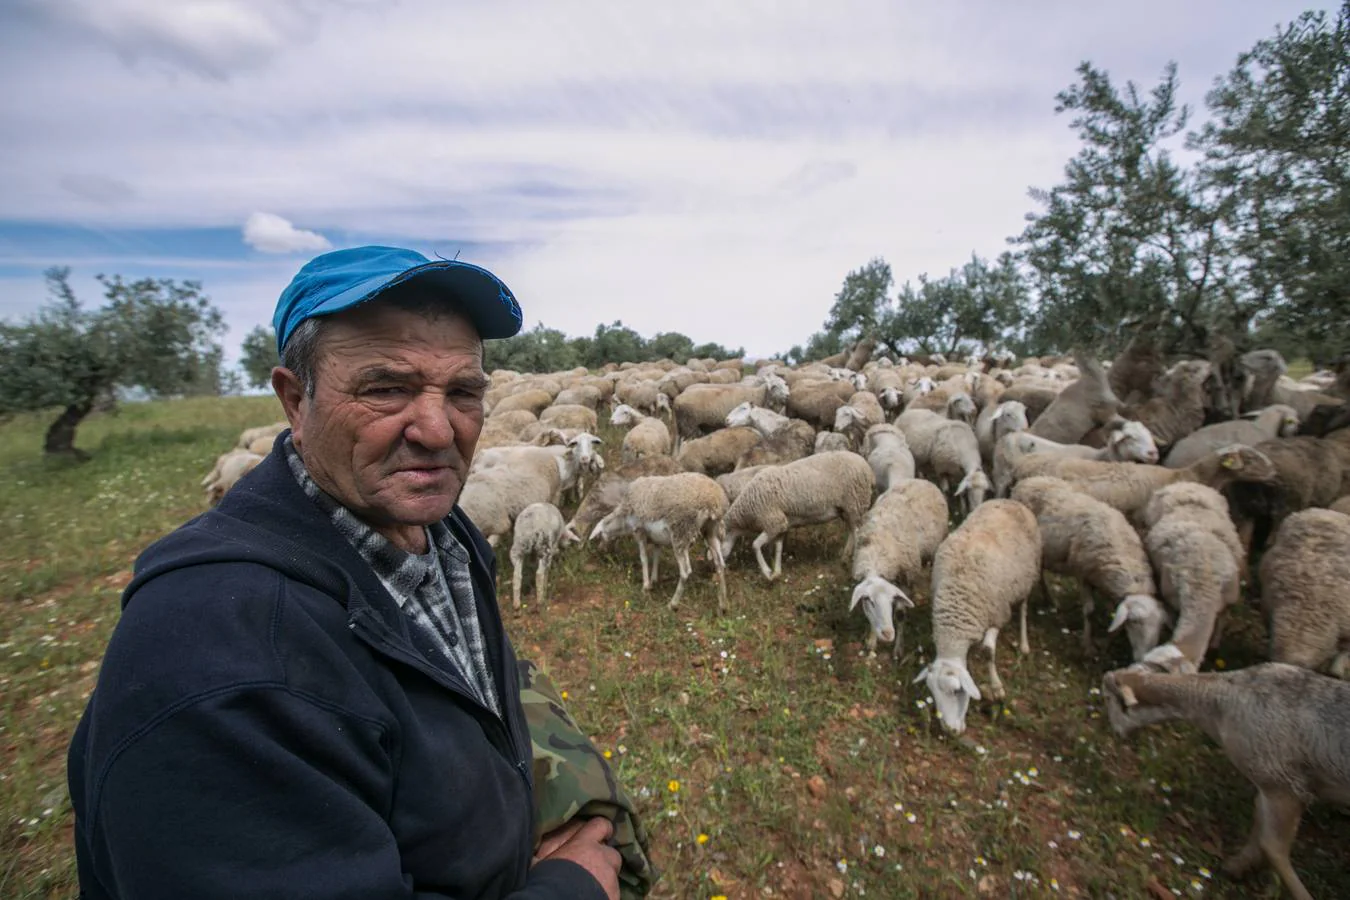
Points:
[(264, 726)]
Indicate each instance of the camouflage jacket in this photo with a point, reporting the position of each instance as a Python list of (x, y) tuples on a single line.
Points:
[(572, 778)]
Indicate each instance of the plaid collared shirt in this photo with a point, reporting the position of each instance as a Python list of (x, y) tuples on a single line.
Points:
[(435, 589)]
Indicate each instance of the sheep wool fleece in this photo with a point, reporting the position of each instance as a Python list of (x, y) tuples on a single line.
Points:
[(266, 726)]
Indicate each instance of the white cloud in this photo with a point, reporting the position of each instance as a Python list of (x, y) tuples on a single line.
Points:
[(273, 234)]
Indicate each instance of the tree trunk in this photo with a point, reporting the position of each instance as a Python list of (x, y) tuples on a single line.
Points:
[(61, 435)]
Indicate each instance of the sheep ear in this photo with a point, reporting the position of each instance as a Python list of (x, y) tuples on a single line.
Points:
[(968, 684), (570, 534), (598, 530), (1228, 460), (858, 593), (1127, 696), (1121, 617), (901, 600), (923, 675)]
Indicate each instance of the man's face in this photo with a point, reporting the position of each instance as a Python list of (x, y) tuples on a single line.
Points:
[(396, 414)]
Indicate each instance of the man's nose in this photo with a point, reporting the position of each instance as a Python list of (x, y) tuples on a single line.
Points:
[(430, 426)]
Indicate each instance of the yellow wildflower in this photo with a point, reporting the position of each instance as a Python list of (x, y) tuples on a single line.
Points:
[(673, 786), (702, 839)]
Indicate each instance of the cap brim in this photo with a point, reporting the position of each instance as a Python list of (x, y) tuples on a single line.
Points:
[(482, 296)]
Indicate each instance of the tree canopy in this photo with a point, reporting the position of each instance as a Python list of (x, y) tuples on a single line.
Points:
[(156, 335), (258, 356), (544, 349)]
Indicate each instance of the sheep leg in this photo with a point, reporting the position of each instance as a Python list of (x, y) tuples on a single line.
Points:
[(720, 564), (778, 557), (682, 562), (995, 683), (1274, 828), (656, 562), (898, 648), (850, 544), (758, 547), (642, 555), (517, 576), (1024, 647), (541, 579), (1085, 595)]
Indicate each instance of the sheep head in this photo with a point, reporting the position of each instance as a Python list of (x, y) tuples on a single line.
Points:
[(740, 416), (880, 599), (1143, 618), (973, 488), (1131, 441), (624, 415), (1243, 463), (952, 689), (961, 408), (845, 417)]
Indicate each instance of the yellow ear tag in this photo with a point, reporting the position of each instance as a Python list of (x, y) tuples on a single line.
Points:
[(1228, 462)]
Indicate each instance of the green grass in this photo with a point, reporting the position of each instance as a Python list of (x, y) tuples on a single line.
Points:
[(797, 756)]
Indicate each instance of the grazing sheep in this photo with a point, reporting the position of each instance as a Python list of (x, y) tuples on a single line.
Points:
[(1205, 507), (717, 453), (672, 511), (1035, 397), (534, 401), (981, 572), (587, 395), (887, 452), (1095, 544), (1305, 591), (1023, 455), (921, 427), (900, 534), (1287, 730), (960, 408), (1082, 406), (853, 423), (955, 458), (795, 440), (1198, 577), (1270, 423), (810, 491), (493, 497), (1128, 486), (831, 442), (505, 428), (601, 499), (539, 530), (569, 416), (1309, 472), (229, 468), (647, 436), (995, 421)]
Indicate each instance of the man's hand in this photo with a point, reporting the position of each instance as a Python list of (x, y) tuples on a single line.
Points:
[(584, 843)]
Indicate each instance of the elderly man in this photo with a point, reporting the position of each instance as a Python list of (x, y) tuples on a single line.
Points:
[(310, 692)]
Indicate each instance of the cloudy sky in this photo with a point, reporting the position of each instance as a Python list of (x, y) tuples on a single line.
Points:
[(707, 167)]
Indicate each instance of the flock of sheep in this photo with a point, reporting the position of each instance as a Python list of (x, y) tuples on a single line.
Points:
[(1108, 474)]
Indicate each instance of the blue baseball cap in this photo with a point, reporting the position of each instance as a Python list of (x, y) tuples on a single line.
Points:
[(332, 282)]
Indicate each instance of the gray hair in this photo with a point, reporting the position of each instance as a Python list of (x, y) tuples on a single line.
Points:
[(301, 353)]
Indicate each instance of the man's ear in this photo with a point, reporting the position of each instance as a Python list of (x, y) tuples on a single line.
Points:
[(291, 393)]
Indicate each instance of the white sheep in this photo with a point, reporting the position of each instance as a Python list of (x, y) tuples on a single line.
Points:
[(981, 572), (762, 419), (1096, 544), (1205, 507), (901, 532), (538, 532), (647, 435), (672, 511), (888, 454), (229, 468), (1024, 455), (810, 491), (831, 442), (249, 436), (493, 497), (954, 458), (1305, 591), (1270, 423), (1287, 730), (995, 421)]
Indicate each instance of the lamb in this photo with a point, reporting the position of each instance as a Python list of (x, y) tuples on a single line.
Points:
[(229, 468), (1080, 407), (955, 458), (1286, 729), (1023, 455), (539, 530), (1270, 423), (647, 436), (900, 534), (673, 511), (831, 442), (1128, 486), (601, 499), (981, 572), (809, 491), (1305, 591), (717, 453), (493, 497), (1094, 543), (888, 454)]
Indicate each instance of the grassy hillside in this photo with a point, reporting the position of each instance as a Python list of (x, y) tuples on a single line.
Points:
[(770, 757)]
